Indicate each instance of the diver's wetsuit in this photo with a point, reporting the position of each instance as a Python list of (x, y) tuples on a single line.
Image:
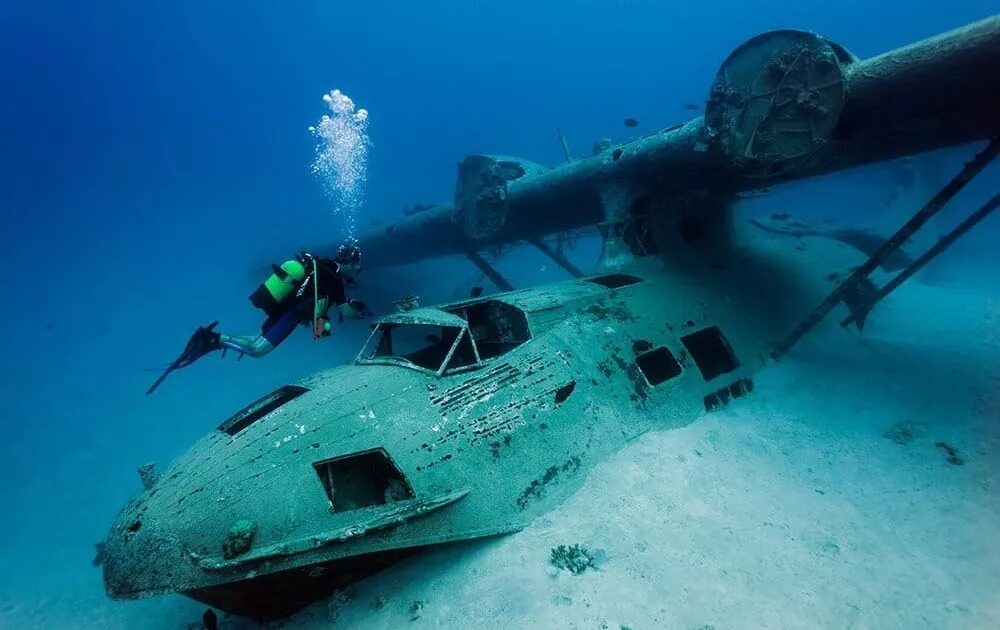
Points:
[(300, 291), (297, 308)]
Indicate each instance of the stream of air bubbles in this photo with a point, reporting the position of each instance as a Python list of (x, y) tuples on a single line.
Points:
[(341, 156)]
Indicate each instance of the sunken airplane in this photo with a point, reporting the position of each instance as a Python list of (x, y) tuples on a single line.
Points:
[(472, 418)]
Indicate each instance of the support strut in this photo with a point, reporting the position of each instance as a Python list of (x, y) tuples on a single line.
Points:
[(968, 172), (489, 271), (944, 243), (565, 147), (557, 257)]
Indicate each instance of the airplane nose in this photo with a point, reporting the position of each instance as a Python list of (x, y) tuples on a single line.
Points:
[(140, 559), (127, 574)]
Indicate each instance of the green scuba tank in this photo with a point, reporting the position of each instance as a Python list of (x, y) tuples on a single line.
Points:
[(279, 285), (285, 279)]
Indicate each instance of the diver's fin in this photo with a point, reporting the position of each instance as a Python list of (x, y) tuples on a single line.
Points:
[(203, 341), (166, 373), (858, 299)]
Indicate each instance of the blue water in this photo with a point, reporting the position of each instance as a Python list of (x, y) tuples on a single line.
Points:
[(155, 161)]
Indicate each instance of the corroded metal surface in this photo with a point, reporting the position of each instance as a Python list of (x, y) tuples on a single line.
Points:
[(478, 449), (941, 91), (776, 101)]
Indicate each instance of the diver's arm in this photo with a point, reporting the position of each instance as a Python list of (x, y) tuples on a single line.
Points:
[(348, 311), (321, 308), (355, 309)]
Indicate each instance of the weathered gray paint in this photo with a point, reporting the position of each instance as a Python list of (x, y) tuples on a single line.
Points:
[(486, 449)]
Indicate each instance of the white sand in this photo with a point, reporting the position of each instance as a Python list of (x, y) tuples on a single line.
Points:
[(789, 509)]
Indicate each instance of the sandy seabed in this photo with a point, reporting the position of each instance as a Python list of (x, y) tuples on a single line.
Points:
[(823, 500)]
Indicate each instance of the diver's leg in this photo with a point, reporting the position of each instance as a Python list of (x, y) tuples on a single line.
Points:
[(255, 345), (275, 330)]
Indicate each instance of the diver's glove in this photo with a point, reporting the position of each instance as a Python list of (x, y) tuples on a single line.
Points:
[(355, 309), (361, 308)]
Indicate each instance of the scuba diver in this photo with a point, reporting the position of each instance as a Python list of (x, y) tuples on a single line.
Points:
[(298, 292)]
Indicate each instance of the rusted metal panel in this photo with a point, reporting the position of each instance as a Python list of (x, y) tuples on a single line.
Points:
[(941, 91)]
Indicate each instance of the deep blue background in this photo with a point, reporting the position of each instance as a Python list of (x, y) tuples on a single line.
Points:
[(154, 155)]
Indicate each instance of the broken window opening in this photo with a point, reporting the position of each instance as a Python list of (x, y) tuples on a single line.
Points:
[(422, 345), (711, 352), (261, 407), (362, 480), (658, 365), (564, 392), (614, 280), (496, 327)]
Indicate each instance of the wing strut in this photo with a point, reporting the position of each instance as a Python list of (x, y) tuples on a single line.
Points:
[(557, 257), (850, 285), (944, 243), (489, 271)]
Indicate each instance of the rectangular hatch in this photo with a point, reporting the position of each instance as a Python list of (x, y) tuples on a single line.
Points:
[(362, 480), (711, 352), (658, 365)]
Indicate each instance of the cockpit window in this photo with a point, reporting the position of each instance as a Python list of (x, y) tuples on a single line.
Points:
[(496, 327), (423, 345), (457, 338)]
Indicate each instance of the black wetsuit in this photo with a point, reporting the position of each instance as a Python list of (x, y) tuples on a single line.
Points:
[(298, 308)]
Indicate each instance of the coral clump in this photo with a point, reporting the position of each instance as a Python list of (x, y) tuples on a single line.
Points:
[(576, 559), (239, 539)]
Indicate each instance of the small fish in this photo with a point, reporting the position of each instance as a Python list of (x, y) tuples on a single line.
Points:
[(631, 122), (691, 106), (210, 620), (476, 292)]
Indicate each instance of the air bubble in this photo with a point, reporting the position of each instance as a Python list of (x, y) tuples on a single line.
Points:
[(341, 157)]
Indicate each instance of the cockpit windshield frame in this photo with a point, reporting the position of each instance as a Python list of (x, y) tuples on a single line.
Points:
[(501, 326), (384, 327)]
